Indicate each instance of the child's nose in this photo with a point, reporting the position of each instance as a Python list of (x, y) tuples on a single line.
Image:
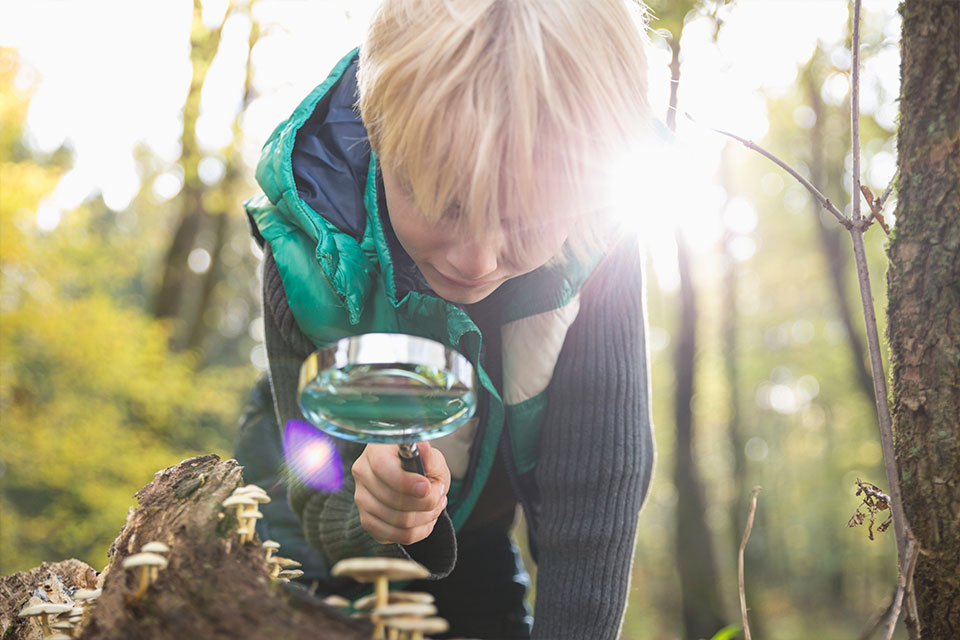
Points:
[(474, 260)]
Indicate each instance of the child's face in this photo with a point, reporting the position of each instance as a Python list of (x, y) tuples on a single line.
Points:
[(458, 267)]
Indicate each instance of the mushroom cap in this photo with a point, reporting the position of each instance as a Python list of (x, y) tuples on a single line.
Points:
[(285, 563), (144, 559), (424, 625), (335, 601), (369, 569), (62, 625), (367, 602), (290, 573), (239, 500), (404, 609), (252, 491), (46, 607), (87, 594), (270, 544), (155, 547), (256, 515)]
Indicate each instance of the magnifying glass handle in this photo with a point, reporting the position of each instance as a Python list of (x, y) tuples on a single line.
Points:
[(410, 458)]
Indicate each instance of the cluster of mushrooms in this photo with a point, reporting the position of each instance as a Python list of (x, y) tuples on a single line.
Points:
[(58, 620), (148, 562), (396, 615), (245, 501)]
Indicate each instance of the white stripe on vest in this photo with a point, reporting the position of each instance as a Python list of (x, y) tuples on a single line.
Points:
[(531, 347)]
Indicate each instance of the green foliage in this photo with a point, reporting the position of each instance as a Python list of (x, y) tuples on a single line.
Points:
[(728, 632), (93, 402)]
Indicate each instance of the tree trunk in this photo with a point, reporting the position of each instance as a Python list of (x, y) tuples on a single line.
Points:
[(924, 307), (213, 587), (700, 595)]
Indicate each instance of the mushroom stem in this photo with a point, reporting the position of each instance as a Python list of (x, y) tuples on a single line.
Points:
[(144, 583), (45, 624), (381, 588)]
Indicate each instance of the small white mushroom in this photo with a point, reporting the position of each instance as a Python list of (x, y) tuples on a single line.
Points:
[(335, 601), (144, 561), (155, 547), (379, 571), (290, 574), (271, 546), (404, 609), (242, 503), (43, 611), (416, 627), (87, 595), (368, 601)]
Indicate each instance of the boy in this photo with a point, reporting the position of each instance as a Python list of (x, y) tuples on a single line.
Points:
[(451, 181)]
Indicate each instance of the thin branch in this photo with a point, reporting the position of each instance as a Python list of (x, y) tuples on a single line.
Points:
[(876, 205), (901, 530), (882, 200), (903, 581), (855, 109), (822, 199), (743, 546)]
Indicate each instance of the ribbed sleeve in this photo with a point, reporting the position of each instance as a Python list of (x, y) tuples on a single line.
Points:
[(596, 459)]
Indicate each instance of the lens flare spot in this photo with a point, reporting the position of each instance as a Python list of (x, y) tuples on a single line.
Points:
[(312, 457)]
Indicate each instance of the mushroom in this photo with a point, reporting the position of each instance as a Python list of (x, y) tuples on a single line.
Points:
[(252, 488), (271, 546), (379, 571), (155, 547), (246, 502), (87, 595), (416, 627), (43, 611), (290, 574), (404, 609), (367, 602), (335, 601), (145, 561)]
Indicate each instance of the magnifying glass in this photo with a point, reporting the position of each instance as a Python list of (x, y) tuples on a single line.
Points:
[(388, 388)]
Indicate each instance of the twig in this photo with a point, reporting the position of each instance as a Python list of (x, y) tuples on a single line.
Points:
[(855, 109), (903, 581), (877, 204), (743, 546), (901, 530), (822, 199)]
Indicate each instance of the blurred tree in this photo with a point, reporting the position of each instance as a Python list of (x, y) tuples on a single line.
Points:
[(92, 401), (208, 210), (702, 606), (924, 307)]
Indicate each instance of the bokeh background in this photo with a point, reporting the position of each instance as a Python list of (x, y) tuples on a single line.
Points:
[(131, 334)]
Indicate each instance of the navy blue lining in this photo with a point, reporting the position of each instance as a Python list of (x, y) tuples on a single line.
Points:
[(331, 155)]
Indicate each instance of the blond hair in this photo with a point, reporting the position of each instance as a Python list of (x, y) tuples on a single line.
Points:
[(505, 110)]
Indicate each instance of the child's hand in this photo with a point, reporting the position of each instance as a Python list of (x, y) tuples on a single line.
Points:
[(396, 505)]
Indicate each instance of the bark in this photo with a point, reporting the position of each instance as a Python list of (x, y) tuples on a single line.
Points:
[(924, 305), (213, 587), (52, 582), (702, 608)]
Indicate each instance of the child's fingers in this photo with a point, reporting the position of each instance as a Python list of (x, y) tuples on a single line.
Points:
[(379, 472), (386, 514), (385, 533)]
